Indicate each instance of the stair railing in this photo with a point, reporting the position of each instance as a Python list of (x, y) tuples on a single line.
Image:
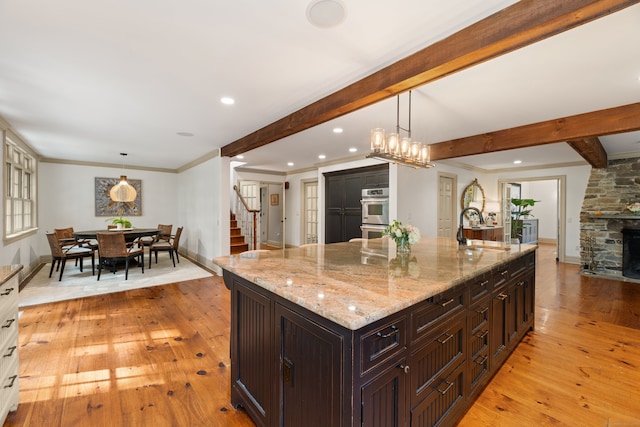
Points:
[(247, 219)]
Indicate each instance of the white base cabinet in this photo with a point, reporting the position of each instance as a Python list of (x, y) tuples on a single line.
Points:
[(9, 382)]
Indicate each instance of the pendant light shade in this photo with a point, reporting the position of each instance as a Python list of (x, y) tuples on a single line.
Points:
[(123, 191), (391, 147)]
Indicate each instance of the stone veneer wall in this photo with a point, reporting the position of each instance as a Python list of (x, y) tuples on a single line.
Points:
[(604, 214)]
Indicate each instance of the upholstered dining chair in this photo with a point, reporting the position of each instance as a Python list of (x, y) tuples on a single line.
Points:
[(112, 248), (60, 254), (170, 246)]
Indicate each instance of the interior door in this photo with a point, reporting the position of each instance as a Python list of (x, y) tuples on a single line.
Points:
[(446, 206)]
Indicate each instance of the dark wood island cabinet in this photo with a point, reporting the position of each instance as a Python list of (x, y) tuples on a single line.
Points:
[(324, 336)]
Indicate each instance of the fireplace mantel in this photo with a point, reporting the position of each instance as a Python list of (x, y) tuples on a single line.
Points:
[(616, 216)]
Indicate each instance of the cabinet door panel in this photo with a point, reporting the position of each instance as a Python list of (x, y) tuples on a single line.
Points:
[(383, 399), (310, 372), (251, 368)]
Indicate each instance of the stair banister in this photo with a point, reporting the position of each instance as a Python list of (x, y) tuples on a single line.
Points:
[(248, 210)]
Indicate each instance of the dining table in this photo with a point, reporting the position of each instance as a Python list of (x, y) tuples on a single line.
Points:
[(130, 234)]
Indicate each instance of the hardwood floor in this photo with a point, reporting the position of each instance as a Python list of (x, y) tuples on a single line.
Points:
[(160, 356)]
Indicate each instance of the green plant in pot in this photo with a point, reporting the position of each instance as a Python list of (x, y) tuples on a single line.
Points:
[(123, 222), (521, 210)]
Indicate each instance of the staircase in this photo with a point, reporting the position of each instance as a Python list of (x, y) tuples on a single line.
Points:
[(237, 239)]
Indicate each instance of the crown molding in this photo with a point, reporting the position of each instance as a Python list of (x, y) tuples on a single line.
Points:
[(105, 165)]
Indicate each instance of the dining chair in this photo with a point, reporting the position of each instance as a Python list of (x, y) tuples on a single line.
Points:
[(60, 254), (112, 248), (170, 246), (66, 237), (164, 234)]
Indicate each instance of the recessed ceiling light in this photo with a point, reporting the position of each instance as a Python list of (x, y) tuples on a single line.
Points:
[(227, 101), (517, 162), (184, 133), (240, 156), (290, 164), (353, 150), (337, 130), (322, 156), (326, 13)]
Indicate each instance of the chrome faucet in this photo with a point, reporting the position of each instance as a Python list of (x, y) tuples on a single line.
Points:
[(461, 239)]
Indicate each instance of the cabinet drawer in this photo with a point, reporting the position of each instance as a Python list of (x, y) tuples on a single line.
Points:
[(9, 354), (9, 391), (8, 326), (479, 368), (522, 264), (479, 325), (480, 287), (9, 296), (441, 405), (435, 310), (382, 342), (444, 348)]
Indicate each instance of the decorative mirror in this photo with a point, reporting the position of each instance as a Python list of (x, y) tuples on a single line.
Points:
[(472, 196)]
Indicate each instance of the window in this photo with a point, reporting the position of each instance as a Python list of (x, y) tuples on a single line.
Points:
[(20, 177)]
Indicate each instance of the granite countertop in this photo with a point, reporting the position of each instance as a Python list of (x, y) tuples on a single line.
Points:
[(354, 284), (482, 227), (8, 271)]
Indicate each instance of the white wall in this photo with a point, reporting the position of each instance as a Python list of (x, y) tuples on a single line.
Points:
[(203, 208), (418, 195), (66, 198)]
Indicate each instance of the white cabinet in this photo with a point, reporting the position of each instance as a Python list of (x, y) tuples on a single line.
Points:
[(8, 340)]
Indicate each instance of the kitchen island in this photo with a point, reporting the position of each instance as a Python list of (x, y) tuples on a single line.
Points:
[(350, 334)]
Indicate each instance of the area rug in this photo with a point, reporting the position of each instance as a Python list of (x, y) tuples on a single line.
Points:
[(42, 289)]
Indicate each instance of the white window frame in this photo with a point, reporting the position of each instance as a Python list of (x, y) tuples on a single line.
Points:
[(19, 190)]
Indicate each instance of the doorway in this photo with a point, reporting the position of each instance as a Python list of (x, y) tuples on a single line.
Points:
[(551, 213)]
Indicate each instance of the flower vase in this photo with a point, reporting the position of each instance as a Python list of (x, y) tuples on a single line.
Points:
[(403, 246)]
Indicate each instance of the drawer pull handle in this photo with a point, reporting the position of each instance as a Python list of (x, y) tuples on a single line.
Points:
[(449, 385), (485, 283), (13, 379), (446, 303), (11, 350), (482, 334), (442, 341), (504, 273), (394, 330), (9, 323), (502, 296), (520, 283), (405, 368), (7, 292), (483, 310), (481, 360)]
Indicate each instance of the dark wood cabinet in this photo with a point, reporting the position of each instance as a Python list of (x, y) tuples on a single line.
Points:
[(494, 234), (422, 366), (310, 359), (343, 192)]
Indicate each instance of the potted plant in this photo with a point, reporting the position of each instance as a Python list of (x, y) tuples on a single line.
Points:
[(120, 222), (520, 211)]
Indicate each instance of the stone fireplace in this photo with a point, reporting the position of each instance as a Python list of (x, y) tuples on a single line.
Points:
[(604, 215)]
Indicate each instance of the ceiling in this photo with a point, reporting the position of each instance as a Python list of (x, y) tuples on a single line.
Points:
[(82, 83)]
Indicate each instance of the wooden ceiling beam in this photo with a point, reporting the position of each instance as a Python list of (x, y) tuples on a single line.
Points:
[(591, 150), (512, 28), (579, 127)]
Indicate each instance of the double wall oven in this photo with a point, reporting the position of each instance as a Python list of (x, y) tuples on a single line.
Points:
[(375, 212)]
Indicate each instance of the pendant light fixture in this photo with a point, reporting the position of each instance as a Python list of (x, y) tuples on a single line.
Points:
[(123, 191), (393, 148)]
